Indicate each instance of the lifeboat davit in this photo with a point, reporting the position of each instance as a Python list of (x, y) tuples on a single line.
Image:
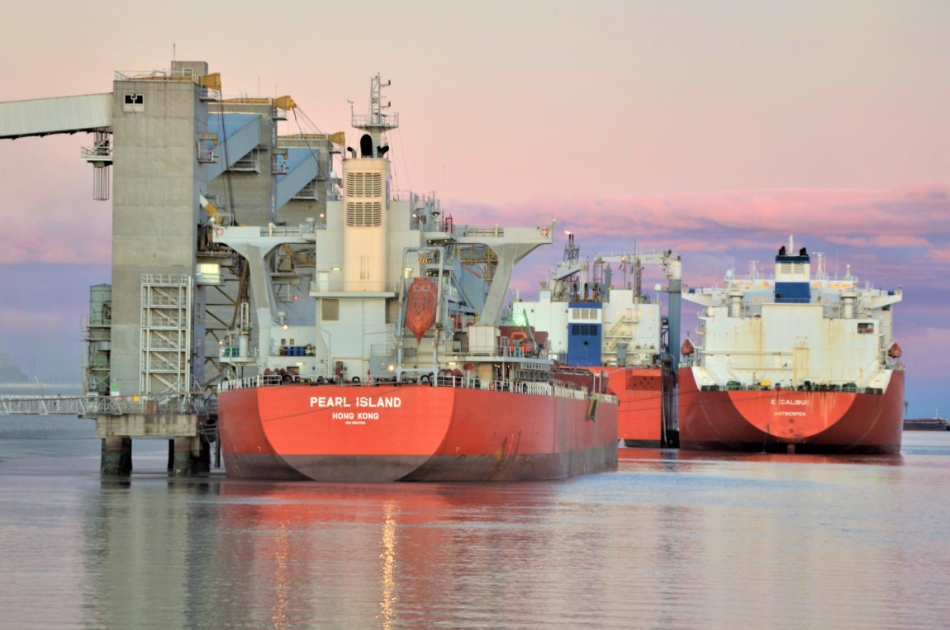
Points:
[(421, 305), (895, 351)]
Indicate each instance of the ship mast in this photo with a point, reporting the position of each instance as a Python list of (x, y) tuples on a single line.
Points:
[(376, 122), (366, 199)]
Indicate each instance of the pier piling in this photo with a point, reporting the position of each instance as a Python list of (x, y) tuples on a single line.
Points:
[(116, 455)]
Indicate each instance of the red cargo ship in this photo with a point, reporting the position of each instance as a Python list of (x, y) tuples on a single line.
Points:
[(395, 367), (796, 363), (414, 433), (600, 319), (791, 420)]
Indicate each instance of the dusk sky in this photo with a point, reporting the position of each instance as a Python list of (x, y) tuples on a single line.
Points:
[(715, 128)]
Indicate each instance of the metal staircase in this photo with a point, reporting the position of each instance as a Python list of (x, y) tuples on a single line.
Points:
[(166, 334)]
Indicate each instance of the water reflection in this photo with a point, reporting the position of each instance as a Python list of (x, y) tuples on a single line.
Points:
[(389, 553), (667, 541), (145, 543), (388, 556), (675, 455), (422, 556)]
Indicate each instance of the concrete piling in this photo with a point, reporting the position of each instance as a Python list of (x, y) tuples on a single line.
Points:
[(189, 453), (116, 456), (189, 456)]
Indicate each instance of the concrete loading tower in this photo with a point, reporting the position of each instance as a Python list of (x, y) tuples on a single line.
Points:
[(184, 161)]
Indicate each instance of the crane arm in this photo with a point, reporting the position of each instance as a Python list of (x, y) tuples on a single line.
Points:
[(667, 260)]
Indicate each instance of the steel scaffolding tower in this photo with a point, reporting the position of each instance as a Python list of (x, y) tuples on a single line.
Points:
[(166, 334)]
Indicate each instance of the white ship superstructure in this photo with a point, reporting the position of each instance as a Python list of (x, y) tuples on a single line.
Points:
[(596, 314), (796, 330), (599, 316), (347, 321)]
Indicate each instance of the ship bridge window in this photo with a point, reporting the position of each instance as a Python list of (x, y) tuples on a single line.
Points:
[(133, 103), (585, 313), (865, 328)]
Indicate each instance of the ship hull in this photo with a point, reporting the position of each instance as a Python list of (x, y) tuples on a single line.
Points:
[(926, 425), (785, 420), (641, 400), (412, 433)]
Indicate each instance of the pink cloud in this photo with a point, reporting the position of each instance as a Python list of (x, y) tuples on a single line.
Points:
[(67, 240), (46, 208), (939, 255), (880, 241), (913, 218), (894, 238)]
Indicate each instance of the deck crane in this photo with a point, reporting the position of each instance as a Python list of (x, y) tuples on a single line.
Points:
[(672, 268)]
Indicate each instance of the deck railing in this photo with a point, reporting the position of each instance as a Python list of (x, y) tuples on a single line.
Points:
[(89, 406), (461, 382)]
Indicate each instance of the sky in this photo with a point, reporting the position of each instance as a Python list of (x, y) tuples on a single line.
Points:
[(714, 128)]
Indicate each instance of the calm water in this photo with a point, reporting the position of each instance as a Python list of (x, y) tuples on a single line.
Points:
[(667, 541)]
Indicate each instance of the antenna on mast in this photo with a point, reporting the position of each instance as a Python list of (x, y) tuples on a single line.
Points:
[(375, 123)]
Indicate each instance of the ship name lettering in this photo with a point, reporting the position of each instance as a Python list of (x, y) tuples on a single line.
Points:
[(329, 401), (382, 401), (786, 401)]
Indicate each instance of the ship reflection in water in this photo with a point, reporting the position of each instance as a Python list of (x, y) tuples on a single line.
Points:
[(669, 540), (396, 556)]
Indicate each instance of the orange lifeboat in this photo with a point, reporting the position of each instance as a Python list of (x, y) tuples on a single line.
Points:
[(687, 348), (519, 344), (421, 304), (895, 351)]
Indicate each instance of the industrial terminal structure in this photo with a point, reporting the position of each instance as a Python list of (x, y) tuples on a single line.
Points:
[(183, 162)]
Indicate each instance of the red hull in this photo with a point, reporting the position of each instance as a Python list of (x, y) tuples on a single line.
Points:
[(809, 422), (640, 396), (412, 433)]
